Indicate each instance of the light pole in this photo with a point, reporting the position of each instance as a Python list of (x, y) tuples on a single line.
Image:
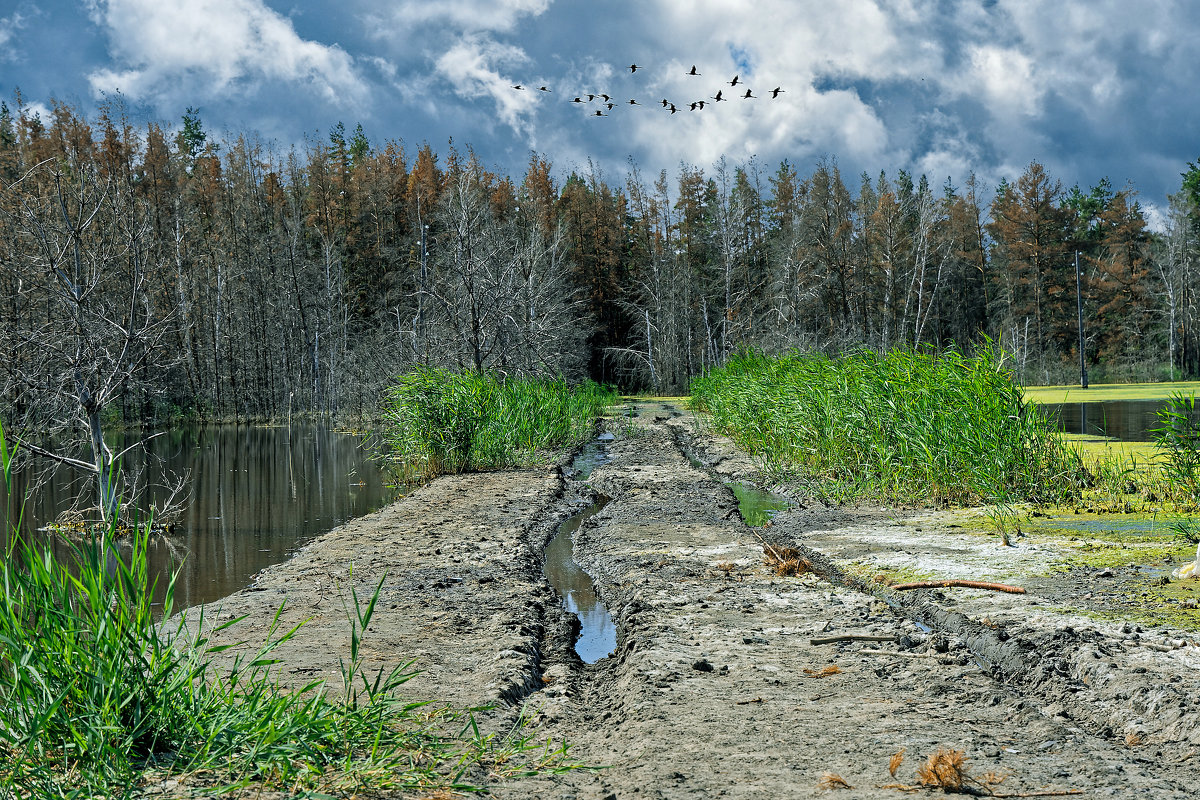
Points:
[(1079, 308)]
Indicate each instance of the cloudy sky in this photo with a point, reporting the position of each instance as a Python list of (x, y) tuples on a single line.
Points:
[(1091, 88)]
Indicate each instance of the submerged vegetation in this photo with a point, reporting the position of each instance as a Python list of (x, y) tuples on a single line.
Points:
[(100, 698), (907, 425), (440, 422)]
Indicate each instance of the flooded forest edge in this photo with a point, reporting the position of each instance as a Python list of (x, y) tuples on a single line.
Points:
[(152, 274)]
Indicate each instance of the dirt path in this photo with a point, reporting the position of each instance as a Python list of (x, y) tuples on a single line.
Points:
[(718, 686)]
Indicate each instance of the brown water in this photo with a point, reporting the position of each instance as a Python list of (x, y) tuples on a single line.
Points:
[(254, 495)]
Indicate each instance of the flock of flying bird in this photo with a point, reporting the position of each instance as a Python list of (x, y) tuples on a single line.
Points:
[(610, 103)]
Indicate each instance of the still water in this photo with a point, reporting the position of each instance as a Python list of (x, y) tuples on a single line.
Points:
[(574, 587), (253, 496), (1127, 420)]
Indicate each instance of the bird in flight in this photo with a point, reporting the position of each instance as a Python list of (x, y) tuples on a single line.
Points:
[(634, 103), (543, 89), (606, 97), (693, 70), (718, 97), (633, 67), (518, 86), (776, 92), (698, 105), (599, 114), (665, 103), (734, 82), (610, 106), (748, 96), (577, 100), (673, 108)]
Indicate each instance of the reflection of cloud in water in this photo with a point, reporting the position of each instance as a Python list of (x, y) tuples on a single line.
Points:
[(598, 633)]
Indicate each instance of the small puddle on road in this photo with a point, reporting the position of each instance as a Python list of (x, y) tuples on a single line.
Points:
[(756, 506), (575, 588)]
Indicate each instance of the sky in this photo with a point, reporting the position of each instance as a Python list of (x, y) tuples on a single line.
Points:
[(946, 88)]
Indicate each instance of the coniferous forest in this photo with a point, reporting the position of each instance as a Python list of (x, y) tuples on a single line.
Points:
[(152, 273)]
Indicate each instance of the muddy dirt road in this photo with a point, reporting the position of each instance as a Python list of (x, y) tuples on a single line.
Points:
[(721, 684)]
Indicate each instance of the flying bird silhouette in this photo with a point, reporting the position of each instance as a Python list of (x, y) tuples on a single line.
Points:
[(577, 100), (718, 97), (665, 103), (606, 97), (634, 103), (673, 108), (633, 67), (610, 106), (776, 92), (693, 70), (599, 114), (748, 96), (543, 89), (734, 82), (698, 105), (518, 86)]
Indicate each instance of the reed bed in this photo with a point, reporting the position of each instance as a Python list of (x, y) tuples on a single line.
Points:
[(101, 698), (440, 422), (906, 425)]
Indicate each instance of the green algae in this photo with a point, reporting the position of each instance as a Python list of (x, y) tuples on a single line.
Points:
[(1053, 395)]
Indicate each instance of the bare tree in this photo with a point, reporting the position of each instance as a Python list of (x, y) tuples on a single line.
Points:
[(81, 259)]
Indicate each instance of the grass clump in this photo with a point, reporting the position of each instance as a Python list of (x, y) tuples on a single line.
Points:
[(907, 425), (439, 422), (99, 697)]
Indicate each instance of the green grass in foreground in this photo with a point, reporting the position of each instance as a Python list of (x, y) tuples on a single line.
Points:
[(908, 425), (438, 421), (98, 699)]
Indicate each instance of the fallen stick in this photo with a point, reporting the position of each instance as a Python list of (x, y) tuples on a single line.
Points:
[(852, 637), (995, 587), (898, 653), (1047, 793)]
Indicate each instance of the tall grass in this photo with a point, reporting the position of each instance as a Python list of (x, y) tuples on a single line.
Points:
[(440, 421), (98, 699), (906, 425)]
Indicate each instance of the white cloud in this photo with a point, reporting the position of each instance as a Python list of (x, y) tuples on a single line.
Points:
[(1005, 78), (467, 15), (209, 48), (8, 28), (471, 67)]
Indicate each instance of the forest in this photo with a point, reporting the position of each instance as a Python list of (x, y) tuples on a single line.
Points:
[(154, 273)]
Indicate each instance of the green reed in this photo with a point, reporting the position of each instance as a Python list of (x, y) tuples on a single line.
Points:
[(99, 697), (440, 421), (905, 425)]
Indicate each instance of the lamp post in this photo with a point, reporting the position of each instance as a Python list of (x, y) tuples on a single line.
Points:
[(1079, 307)]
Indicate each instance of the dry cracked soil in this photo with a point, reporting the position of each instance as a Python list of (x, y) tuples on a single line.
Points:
[(729, 680)]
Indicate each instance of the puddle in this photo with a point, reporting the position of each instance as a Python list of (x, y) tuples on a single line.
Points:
[(756, 506), (1138, 527), (575, 588)]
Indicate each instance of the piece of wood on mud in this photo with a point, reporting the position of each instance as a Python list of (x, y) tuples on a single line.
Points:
[(957, 583), (852, 637), (866, 651)]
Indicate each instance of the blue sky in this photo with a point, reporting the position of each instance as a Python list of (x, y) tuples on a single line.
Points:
[(1091, 88)]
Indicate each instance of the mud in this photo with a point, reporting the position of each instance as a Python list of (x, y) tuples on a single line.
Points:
[(719, 684)]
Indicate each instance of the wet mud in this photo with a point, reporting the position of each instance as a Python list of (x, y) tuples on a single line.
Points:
[(726, 678)]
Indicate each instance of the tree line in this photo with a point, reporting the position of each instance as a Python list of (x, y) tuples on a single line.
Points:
[(149, 271)]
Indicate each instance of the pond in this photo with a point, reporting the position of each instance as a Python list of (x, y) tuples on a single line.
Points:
[(1127, 420), (253, 496)]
